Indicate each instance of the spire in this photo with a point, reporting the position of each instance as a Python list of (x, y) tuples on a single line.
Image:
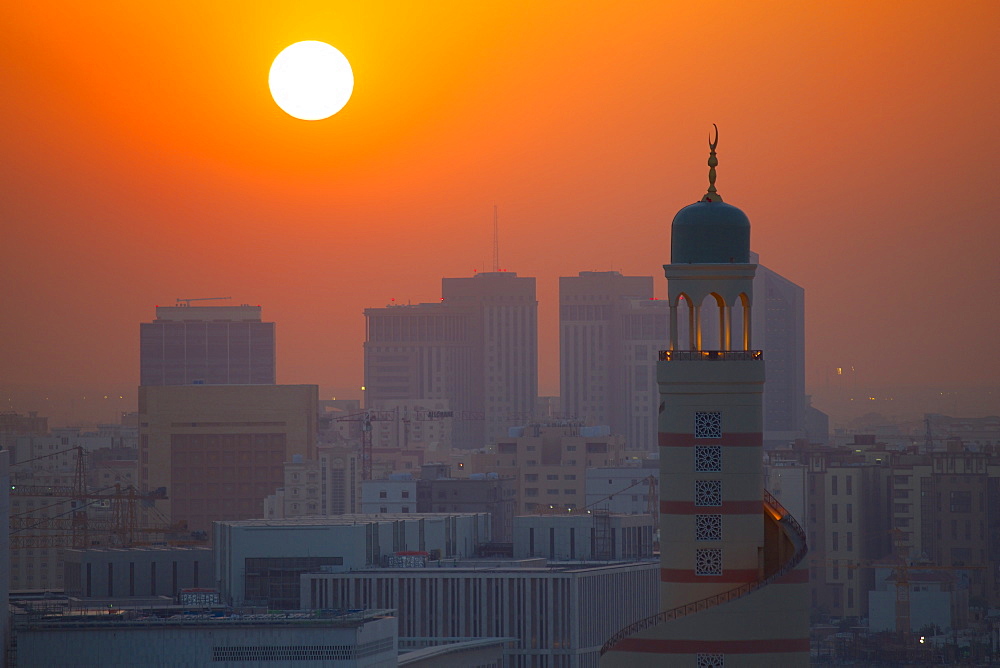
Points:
[(712, 195)]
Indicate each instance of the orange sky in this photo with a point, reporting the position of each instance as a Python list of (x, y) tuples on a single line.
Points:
[(144, 161)]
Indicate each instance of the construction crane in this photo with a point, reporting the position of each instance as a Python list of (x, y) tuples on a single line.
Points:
[(122, 528), (399, 415), (187, 302)]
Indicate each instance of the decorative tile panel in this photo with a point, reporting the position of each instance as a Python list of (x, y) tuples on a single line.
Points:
[(711, 660), (708, 424), (708, 458), (708, 561), (708, 492), (708, 527)]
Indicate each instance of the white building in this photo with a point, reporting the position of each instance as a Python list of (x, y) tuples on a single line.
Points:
[(366, 639), (622, 490), (258, 562), (559, 613), (397, 494), (584, 536)]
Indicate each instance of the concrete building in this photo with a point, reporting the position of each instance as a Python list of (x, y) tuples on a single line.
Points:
[(477, 350), (219, 450), (438, 492), (586, 536), (558, 613), (779, 330), (725, 542), (610, 329), (327, 485), (259, 562), (395, 495), (549, 462), (211, 345), (312, 640), (624, 490), (4, 555), (144, 572)]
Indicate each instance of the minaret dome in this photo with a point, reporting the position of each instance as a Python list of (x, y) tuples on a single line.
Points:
[(710, 231)]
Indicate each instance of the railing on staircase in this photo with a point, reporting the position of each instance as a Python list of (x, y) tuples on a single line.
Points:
[(785, 518)]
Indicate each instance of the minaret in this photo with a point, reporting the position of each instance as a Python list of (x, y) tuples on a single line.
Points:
[(733, 584), (711, 424)]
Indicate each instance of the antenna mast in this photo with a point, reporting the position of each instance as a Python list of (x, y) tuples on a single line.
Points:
[(496, 240)]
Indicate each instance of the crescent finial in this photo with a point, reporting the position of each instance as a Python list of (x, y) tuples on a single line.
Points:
[(712, 195)]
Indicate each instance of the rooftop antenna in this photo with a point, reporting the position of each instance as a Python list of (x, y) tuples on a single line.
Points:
[(496, 239), (712, 195)]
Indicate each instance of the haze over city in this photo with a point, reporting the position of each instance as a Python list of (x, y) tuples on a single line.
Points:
[(146, 161)]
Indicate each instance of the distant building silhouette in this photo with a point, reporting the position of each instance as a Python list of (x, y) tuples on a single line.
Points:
[(610, 329), (211, 345), (779, 329), (477, 349)]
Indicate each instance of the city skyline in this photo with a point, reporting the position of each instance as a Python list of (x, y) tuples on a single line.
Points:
[(864, 130)]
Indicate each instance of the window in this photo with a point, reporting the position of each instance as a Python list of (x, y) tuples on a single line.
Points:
[(833, 485), (530, 477), (708, 561), (961, 502), (552, 476), (850, 541), (531, 491), (833, 513), (848, 481), (708, 424), (406, 493), (835, 544), (850, 513), (383, 509), (552, 491), (708, 492), (383, 495), (708, 458)]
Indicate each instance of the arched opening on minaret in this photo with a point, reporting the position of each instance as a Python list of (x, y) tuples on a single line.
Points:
[(714, 330), (741, 315), (682, 323)]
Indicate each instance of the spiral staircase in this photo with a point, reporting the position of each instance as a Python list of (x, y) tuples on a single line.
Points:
[(758, 623)]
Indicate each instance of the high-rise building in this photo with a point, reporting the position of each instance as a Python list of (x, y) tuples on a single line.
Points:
[(217, 451), (477, 349), (610, 328), (206, 345), (733, 579), (779, 330)]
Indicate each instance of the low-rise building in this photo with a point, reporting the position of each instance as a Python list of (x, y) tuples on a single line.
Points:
[(259, 562), (558, 612)]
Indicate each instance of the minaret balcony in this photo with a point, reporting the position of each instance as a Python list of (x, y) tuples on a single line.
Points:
[(711, 355)]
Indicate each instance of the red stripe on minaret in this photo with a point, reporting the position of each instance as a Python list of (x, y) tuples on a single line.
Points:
[(733, 440), (729, 576), (762, 646), (727, 508)]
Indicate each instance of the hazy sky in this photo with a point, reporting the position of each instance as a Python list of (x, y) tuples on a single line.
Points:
[(144, 160)]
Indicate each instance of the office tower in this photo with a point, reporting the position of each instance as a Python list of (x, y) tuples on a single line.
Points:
[(477, 349), (779, 330), (217, 451), (610, 328), (725, 542), (206, 345)]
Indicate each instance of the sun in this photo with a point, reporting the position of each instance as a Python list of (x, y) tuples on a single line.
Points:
[(311, 80)]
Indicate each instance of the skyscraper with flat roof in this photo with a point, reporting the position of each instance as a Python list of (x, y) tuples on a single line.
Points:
[(779, 329), (477, 349), (207, 345), (610, 328)]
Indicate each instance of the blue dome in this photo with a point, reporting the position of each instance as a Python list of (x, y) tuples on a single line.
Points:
[(710, 233)]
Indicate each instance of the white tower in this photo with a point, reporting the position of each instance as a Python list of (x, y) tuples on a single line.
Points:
[(733, 585)]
